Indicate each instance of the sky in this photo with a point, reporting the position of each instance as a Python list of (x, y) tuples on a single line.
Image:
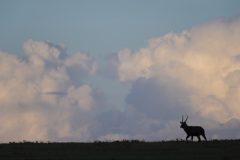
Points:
[(86, 70)]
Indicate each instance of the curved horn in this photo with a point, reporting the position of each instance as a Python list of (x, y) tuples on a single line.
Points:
[(186, 119), (182, 118)]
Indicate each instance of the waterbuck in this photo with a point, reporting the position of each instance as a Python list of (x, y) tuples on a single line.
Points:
[(192, 130)]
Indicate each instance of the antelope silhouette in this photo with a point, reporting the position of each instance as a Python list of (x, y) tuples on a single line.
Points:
[(192, 130)]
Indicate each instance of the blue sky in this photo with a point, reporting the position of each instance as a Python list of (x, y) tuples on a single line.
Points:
[(132, 68), (103, 27)]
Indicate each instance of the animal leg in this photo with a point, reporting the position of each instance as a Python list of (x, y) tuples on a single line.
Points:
[(199, 139), (204, 137), (187, 137), (192, 138)]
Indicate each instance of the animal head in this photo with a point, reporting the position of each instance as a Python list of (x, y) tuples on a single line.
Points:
[(183, 123)]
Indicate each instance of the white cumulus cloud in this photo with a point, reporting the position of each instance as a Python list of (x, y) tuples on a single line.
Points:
[(40, 96), (195, 72), (44, 94)]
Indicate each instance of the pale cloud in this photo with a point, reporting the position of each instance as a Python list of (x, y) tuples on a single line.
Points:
[(81, 64), (43, 94), (26, 125), (195, 71), (81, 97), (39, 96), (135, 65)]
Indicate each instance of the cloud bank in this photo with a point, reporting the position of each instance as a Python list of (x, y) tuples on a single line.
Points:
[(40, 96), (44, 94), (195, 72)]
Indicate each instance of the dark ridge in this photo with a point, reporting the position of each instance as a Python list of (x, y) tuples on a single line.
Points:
[(122, 150)]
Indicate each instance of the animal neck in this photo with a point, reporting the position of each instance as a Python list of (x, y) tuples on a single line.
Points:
[(186, 128)]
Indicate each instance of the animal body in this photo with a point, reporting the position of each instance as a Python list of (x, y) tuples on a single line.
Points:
[(192, 131)]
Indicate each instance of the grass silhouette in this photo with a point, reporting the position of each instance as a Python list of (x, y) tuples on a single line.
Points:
[(123, 150)]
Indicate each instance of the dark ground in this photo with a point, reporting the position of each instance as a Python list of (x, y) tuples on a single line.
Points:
[(124, 150)]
